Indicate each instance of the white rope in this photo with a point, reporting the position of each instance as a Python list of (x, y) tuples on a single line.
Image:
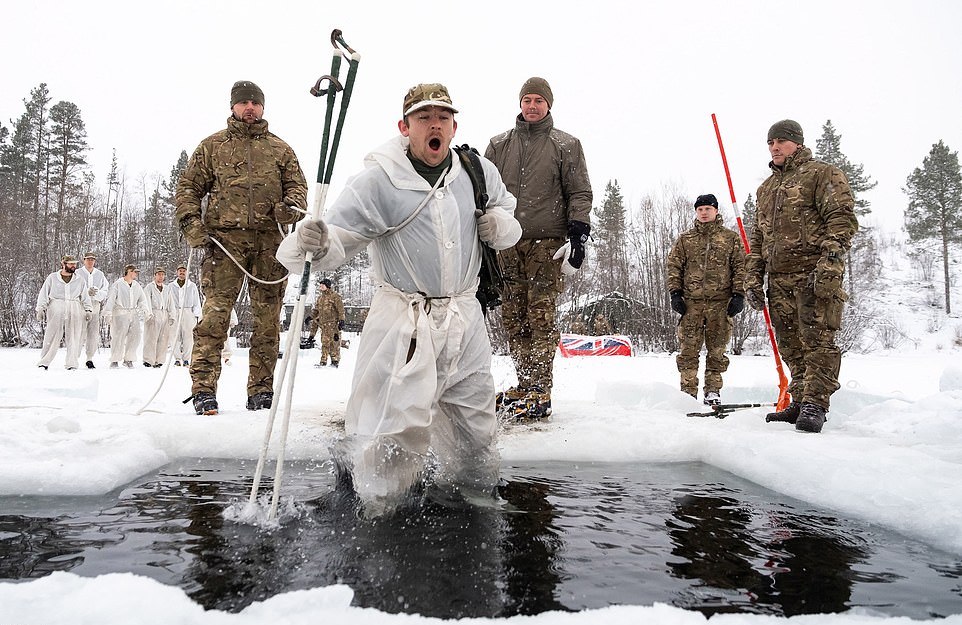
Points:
[(241, 267), (170, 352)]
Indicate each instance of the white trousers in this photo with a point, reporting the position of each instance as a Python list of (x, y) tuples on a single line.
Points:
[(437, 399), (65, 321)]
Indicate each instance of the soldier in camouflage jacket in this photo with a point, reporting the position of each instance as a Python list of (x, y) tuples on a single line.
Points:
[(544, 168), (253, 183), (803, 229), (706, 271)]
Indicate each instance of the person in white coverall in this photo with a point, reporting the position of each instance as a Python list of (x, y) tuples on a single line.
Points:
[(97, 287), (422, 383), (186, 297), (157, 328), (125, 307), (64, 303), (228, 350)]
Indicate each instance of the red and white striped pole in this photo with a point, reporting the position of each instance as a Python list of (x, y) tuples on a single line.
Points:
[(783, 396)]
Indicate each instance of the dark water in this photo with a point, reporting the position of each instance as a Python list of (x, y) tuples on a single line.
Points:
[(568, 537)]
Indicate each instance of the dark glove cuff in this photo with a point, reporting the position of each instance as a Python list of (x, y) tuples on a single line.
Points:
[(579, 230)]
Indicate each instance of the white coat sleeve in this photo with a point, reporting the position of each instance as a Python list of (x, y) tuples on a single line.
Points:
[(501, 205)]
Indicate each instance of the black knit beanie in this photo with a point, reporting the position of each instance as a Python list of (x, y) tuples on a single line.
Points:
[(706, 200)]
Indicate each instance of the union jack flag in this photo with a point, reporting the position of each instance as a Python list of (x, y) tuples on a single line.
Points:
[(606, 345)]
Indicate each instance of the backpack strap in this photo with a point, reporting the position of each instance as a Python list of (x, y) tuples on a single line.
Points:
[(491, 273), (471, 161)]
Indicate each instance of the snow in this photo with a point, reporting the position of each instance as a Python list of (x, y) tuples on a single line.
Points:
[(890, 453)]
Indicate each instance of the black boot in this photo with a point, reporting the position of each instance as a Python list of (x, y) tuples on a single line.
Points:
[(259, 401), (811, 418), (789, 415), (205, 403)]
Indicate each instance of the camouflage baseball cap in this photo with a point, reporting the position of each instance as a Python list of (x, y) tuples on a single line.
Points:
[(787, 129), (160, 270), (425, 95), (90, 255), (182, 266), (67, 258), (246, 90)]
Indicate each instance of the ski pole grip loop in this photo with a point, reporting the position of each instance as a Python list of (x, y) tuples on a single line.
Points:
[(334, 83)]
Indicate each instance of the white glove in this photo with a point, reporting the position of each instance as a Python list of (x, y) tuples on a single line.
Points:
[(41, 314), (564, 252), (312, 236), (487, 227)]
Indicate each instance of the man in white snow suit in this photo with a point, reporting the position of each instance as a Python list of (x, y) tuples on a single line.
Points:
[(545, 170), (126, 307), (97, 286), (187, 310), (422, 381), (64, 303), (157, 328)]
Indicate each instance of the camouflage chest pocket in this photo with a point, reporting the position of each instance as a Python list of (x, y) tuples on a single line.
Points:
[(790, 227)]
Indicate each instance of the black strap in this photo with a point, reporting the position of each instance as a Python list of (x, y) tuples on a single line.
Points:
[(491, 286)]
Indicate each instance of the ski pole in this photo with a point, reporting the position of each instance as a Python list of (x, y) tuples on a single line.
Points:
[(324, 172), (783, 396)]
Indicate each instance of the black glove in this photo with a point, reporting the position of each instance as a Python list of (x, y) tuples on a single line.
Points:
[(678, 303), (578, 232), (340, 324), (736, 304)]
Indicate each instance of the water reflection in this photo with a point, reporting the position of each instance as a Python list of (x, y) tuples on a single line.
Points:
[(801, 564), (564, 537)]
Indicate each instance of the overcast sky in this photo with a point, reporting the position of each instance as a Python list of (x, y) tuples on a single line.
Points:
[(637, 82)]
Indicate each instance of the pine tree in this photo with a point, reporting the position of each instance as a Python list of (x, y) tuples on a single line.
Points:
[(863, 252), (170, 251), (935, 205), (68, 145), (828, 149), (749, 215), (609, 240)]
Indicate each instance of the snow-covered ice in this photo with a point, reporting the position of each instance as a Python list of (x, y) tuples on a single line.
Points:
[(891, 453)]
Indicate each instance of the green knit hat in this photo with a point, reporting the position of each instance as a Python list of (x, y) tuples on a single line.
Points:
[(537, 86), (244, 90), (787, 129)]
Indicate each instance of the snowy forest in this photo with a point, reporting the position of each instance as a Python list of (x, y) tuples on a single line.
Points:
[(52, 203)]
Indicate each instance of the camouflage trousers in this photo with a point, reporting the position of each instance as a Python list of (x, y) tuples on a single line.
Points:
[(529, 308), (805, 328), (330, 346), (704, 323), (221, 280)]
